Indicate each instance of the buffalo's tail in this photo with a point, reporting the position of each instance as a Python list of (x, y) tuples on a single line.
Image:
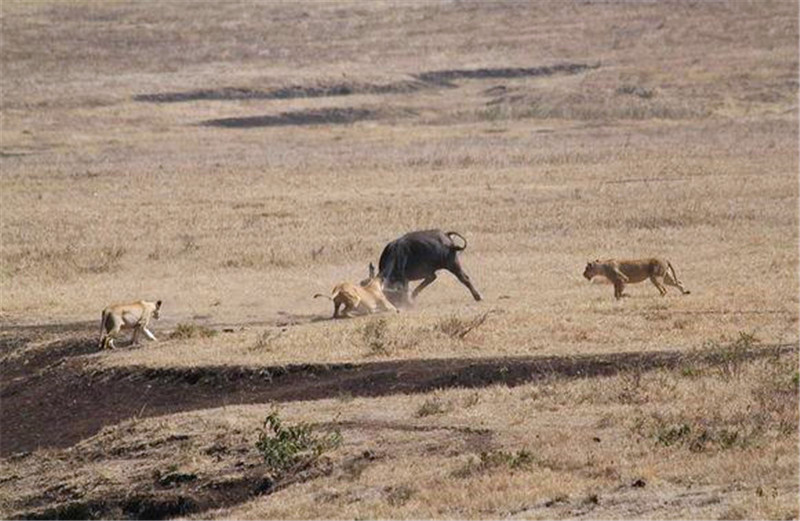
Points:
[(456, 247)]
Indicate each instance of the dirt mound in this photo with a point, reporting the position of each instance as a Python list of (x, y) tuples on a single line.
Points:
[(20, 362), (80, 401), (172, 495)]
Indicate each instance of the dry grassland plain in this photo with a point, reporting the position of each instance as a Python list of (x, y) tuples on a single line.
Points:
[(233, 159)]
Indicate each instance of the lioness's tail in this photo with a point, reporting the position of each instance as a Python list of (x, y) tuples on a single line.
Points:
[(457, 248), (675, 277), (323, 296)]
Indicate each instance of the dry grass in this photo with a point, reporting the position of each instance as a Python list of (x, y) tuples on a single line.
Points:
[(678, 140)]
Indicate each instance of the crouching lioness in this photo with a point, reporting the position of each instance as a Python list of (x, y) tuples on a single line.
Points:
[(363, 298), (132, 315), (621, 272)]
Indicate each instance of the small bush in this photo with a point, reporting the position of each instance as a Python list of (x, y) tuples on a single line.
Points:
[(265, 339), (519, 460), (471, 400), (700, 436), (430, 407), (729, 358), (188, 243), (513, 460), (458, 328), (399, 495), (382, 341), (260, 259), (286, 448), (635, 90), (670, 435), (184, 330), (632, 390), (375, 335), (109, 260)]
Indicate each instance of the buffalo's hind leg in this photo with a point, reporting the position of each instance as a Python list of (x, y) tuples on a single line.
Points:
[(424, 284), (455, 269)]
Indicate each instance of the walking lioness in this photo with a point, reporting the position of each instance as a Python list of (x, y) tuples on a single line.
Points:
[(364, 298), (621, 272), (132, 315)]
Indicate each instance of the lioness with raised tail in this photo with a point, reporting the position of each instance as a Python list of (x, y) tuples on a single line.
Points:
[(363, 298)]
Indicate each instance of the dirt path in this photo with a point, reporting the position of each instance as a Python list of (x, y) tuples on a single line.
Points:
[(56, 399)]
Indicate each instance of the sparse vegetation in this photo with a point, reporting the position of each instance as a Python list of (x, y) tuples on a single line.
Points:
[(375, 336), (516, 460), (109, 260), (291, 447), (266, 338), (186, 330), (431, 406), (383, 340), (765, 407), (456, 327), (399, 495), (732, 354)]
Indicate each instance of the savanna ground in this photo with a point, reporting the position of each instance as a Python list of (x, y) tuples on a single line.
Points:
[(233, 159)]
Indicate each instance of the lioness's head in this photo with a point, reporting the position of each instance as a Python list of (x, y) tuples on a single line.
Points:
[(157, 311), (591, 269)]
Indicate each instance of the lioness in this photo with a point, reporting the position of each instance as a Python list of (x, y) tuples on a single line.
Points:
[(365, 298), (620, 272), (132, 315)]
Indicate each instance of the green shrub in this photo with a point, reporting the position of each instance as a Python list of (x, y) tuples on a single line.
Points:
[(285, 448)]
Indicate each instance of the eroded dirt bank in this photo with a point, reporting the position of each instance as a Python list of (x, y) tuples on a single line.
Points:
[(55, 401)]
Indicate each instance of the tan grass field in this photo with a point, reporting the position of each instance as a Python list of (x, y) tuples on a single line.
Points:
[(191, 153)]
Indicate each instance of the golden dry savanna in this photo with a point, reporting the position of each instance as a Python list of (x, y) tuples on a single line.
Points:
[(235, 158)]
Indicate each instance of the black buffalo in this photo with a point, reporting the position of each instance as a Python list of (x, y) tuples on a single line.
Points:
[(417, 256)]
